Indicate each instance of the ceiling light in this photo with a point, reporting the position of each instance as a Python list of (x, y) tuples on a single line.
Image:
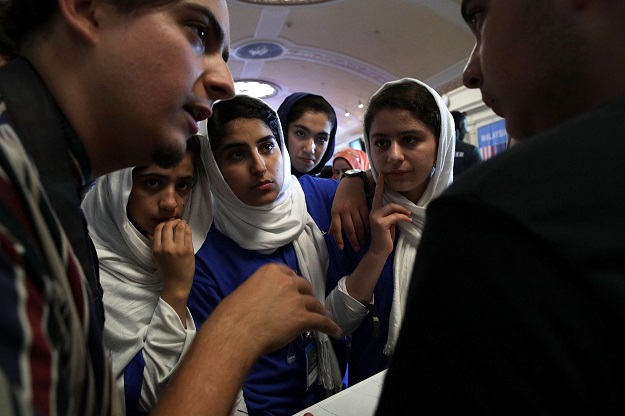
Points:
[(256, 88)]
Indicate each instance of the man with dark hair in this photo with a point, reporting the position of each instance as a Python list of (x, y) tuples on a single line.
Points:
[(78, 100), (528, 317), (467, 155)]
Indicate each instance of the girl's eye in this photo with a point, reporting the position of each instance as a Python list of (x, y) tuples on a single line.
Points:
[(410, 140), (185, 186), (267, 147), (300, 133), (380, 143), (153, 183), (236, 155), (322, 139)]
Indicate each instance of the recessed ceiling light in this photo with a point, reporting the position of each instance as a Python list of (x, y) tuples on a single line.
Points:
[(256, 88)]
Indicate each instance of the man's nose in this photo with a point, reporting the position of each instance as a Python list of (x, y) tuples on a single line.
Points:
[(472, 74)]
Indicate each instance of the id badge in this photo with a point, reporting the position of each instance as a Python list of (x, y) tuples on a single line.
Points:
[(312, 364)]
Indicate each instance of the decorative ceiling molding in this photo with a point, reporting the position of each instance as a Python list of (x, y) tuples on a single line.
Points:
[(260, 48), (448, 79), (446, 9), (358, 67)]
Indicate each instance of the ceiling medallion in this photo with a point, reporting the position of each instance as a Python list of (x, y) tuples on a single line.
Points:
[(284, 2), (259, 50)]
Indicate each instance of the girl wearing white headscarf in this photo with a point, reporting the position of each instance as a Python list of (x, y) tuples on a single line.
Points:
[(144, 335), (410, 138), (244, 237)]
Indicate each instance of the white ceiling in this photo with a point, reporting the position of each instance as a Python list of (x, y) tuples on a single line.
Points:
[(345, 50)]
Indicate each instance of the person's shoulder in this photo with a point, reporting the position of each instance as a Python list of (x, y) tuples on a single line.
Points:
[(314, 184), (549, 163), (317, 181), (465, 147), (215, 241), (18, 171)]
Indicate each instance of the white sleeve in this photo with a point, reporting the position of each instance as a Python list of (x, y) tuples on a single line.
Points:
[(166, 342), (346, 311), (239, 408)]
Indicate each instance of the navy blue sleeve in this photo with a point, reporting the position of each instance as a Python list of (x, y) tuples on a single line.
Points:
[(205, 294), (133, 382)]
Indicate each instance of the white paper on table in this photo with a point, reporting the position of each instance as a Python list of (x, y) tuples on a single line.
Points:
[(361, 399)]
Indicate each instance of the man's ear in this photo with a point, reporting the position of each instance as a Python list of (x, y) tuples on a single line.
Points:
[(80, 16)]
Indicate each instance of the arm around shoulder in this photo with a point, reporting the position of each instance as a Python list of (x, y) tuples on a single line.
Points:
[(350, 211)]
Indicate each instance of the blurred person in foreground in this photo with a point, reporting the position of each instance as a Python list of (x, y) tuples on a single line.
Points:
[(534, 327)]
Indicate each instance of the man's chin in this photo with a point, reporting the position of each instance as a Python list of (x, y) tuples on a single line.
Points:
[(167, 157)]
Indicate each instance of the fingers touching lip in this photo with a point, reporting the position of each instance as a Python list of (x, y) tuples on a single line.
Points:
[(167, 218)]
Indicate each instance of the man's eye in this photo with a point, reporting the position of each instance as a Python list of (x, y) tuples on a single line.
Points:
[(201, 33), (474, 18)]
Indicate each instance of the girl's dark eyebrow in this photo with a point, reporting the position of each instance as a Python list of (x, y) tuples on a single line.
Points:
[(161, 176), (401, 133), (234, 145), (299, 126), (378, 135), (152, 175), (267, 138)]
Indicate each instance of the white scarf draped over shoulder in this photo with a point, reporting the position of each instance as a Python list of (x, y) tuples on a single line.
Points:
[(269, 227), (410, 232), (126, 265)]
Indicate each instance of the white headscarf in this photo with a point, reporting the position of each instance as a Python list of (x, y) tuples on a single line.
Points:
[(410, 232), (269, 227), (126, 259)]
